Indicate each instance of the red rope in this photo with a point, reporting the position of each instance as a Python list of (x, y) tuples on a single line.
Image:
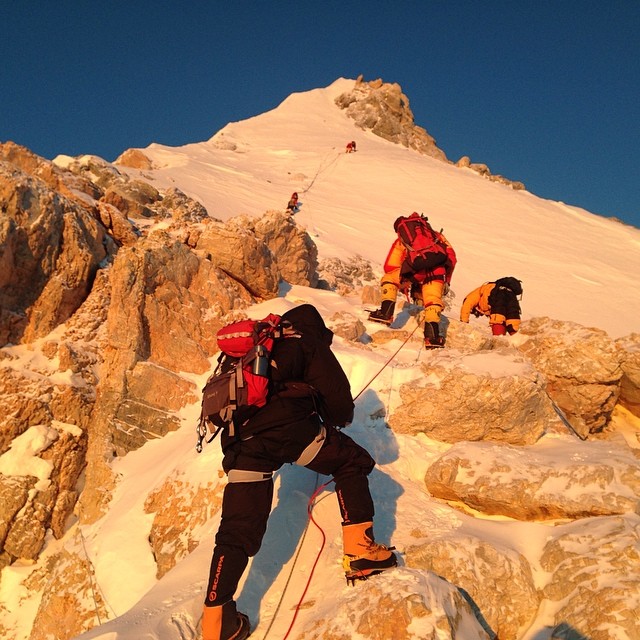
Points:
[(313, 568)]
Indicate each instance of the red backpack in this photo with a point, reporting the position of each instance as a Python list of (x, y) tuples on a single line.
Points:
[(241, 377), (425, 248)]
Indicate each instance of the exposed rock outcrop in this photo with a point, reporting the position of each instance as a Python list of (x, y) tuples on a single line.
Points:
[(43, 490), (179, 506), (525, 483), (433, 609), (348, 277), (594, 567), (483, 170), (496, 570), (134, 159), (294, 252), (119, 320), (133, 313), (382, 108), (582, 369), (453, 403), (629, 350), (68, 584), (50, 251)]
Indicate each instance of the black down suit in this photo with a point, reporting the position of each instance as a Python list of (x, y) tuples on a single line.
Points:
[(286, 430)]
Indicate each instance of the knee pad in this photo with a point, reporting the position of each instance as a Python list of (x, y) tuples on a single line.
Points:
[(389, 291), (432, 313)]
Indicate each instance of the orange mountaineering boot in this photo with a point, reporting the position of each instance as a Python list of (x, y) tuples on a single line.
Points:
[(223, 622), (363, 556)]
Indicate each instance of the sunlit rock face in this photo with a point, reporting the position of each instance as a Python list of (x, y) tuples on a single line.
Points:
[(582, 367)]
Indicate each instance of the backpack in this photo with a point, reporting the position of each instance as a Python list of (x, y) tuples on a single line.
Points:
[(425, 248), (511, 283), (239, 385)]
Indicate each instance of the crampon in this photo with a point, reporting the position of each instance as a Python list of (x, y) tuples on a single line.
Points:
[(363, 567)]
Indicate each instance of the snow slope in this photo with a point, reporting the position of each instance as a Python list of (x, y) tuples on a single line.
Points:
[(574, 266)]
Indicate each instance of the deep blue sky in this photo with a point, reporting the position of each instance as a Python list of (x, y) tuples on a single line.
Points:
[(546, 92)]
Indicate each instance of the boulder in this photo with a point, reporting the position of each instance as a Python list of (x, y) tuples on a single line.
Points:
[(294, 252), (629, 352), (348, 277), (498, 579), (581, 366), (483, 170), (403, 604), (134, 159), (594, 589), (181, 208), (234, 249), (132, 199), (347, 326), (118, 225), (552, 479), (498, 397)]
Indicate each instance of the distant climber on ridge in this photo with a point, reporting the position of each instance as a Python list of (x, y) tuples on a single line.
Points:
[(292, 206), (420, 263), (499, 301), (351, 147)]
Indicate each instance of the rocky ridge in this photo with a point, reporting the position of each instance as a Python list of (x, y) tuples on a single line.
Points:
[(382, 108)]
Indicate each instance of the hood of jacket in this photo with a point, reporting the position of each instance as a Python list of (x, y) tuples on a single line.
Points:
[(307, 320)]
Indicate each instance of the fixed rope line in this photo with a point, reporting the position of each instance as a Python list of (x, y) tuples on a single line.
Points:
[(563, 418), (319, 171), (310, 505), (92, 576), (558, 410), (93, 592), (387, 363)]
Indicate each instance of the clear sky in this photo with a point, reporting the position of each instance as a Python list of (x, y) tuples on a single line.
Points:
[(545, 92)]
